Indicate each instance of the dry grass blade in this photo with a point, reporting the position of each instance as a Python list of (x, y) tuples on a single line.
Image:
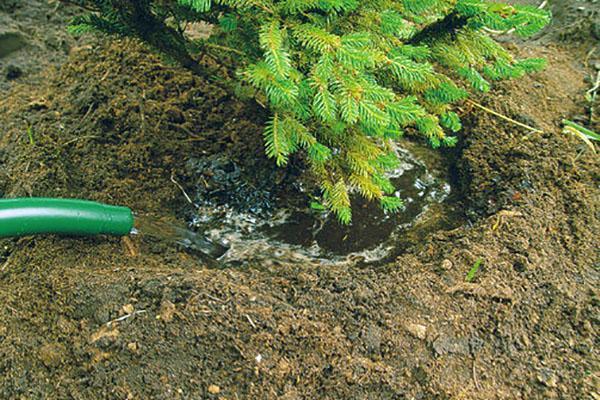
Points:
[(584, 134), (504, 117)]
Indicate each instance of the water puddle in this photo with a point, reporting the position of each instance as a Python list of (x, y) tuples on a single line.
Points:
[(294, 233)]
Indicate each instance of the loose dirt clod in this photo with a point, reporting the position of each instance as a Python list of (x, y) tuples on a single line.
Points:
[(53, 354), (214, 389), (418, 331)]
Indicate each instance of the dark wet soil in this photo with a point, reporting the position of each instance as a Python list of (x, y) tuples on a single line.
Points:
[(103, 318), (263, 219)]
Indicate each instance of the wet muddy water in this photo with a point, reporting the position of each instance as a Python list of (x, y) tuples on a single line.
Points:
[(292, 232)]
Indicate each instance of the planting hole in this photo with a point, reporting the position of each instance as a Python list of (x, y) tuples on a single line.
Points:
[(292, 231)]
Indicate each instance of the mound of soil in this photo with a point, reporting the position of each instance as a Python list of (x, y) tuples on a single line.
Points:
[(101, 318), (116, 125)]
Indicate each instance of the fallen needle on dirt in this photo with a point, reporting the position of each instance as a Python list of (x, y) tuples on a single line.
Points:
[(124, 317)]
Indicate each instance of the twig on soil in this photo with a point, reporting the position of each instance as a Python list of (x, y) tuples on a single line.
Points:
[(192, 135), (475, 380), (105, 75), (588, 56), (142, 113), (87, 113), (250, 320), (260, 103), (591, 96), (586, 135), (209, 296), (502, 214), (216, 298), (504, 117), (76, 127), (124, 317), (129, 246), (182, 190), (79, 138)]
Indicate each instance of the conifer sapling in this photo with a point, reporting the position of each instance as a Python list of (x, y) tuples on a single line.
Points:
[(343, 79)]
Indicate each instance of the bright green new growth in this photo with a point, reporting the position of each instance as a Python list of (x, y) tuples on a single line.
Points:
[(344, 79)]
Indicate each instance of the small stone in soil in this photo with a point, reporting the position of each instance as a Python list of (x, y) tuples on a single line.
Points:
[(167, 311), (418, 331), (128, 309), (447, 265), (547, 377), (133, 347)]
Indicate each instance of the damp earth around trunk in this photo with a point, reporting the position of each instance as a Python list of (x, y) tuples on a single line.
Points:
[(264, 223)]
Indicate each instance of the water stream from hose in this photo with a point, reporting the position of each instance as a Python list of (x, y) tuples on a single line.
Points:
[(169, 232)]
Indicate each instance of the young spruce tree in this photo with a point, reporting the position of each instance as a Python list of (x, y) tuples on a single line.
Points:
[(343, 79)]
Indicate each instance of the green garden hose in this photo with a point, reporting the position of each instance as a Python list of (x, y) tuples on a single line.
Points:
[(35, 216), (32, 216)]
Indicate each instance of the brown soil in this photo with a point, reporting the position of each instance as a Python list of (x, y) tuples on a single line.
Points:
[(32, 36), (114, 124)]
